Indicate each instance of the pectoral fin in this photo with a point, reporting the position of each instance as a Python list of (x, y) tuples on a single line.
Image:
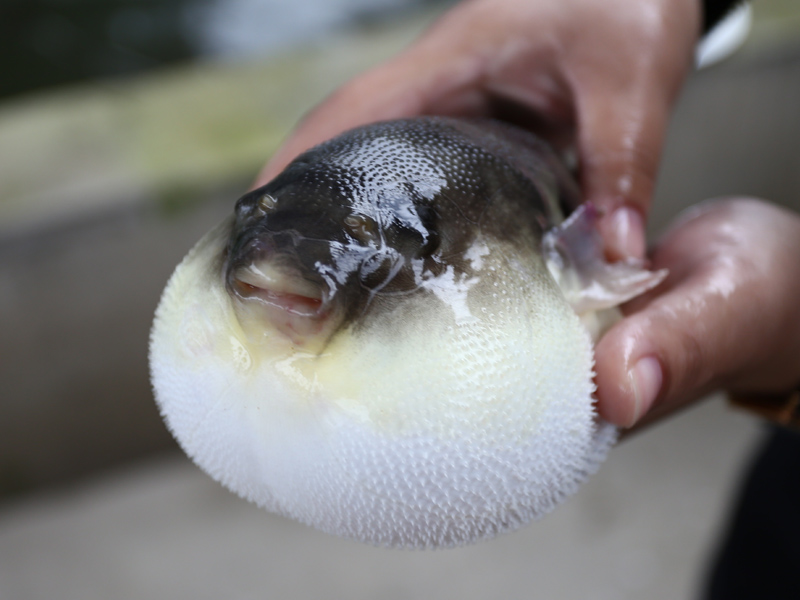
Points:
[(574, 255)]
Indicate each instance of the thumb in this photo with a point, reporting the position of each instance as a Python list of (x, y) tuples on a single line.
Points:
[(727, 315)]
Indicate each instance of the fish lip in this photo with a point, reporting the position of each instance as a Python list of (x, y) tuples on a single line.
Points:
[(272, 292), (258, 269), (268, 276), (289, 307), (294, 298)]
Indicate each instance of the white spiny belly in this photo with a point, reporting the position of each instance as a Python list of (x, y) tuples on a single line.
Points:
[(439, 424)]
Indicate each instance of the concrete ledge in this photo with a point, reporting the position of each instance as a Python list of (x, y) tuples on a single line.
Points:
[(168, 136)]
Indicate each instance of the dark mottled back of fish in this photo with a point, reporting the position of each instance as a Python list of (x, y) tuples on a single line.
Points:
[(364, 215)]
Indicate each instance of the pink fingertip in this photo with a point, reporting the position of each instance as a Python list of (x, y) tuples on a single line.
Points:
[(624, 230), (645, 378)]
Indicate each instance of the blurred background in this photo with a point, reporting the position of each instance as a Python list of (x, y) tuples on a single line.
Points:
[(127, 129)]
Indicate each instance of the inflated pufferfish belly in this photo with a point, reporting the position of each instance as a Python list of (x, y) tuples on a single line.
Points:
[(384, 342)]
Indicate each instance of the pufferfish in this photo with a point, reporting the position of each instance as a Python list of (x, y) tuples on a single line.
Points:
[(392, 341)]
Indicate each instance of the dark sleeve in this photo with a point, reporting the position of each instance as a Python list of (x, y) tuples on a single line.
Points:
[(715, 10)]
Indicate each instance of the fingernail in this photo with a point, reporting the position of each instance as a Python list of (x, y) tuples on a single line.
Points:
[(627, 233), (646, 378)]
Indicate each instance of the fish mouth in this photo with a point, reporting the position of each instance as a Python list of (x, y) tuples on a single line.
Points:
[(268, 293)]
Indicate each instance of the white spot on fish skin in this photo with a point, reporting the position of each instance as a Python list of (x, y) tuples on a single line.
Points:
[(195, 334), (475, 254), (241, 357), (452, 289), (347, 259), (293, 373)]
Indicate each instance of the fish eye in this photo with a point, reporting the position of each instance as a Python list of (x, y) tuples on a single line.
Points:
[(267, 203), (254, 206), (354, 221), (362, 228)]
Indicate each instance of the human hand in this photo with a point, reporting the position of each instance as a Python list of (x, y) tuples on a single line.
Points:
[(597, 76), (727, 316)]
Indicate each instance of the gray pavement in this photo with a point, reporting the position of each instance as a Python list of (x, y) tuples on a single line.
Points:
[(641, 528)]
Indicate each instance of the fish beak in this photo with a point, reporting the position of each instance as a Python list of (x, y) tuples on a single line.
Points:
[(278, 299)]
